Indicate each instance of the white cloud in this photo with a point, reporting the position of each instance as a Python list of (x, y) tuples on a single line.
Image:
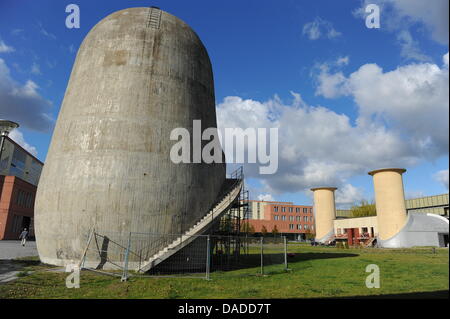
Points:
[(348, 195), (45, 32), (5, 48), (17, 136), (442, 177), (342, 61), (412, 98), (330, 85), (410, 48), (36, 69), (23, 103), (402, 120), (328, 82), (266, 197), (17, 32), (433, 14), (401, 16), (317, 146), (320, 28)]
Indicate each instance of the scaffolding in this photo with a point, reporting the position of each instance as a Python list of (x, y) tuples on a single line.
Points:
[(227, 235)]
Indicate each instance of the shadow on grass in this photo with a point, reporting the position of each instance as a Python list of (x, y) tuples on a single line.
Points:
[(438, 294), (7, 265), (254, 260), (313, 256)]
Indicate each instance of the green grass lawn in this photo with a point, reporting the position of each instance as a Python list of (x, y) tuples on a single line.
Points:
[(315, 272)]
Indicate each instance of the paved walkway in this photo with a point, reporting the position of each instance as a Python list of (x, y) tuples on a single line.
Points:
[(12, 249)]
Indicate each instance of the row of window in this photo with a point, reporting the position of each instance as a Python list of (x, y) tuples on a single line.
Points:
[(292, 218), (291, 209), (299, 227), (24, 199)]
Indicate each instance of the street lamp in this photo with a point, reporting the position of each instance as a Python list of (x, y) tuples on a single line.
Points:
[(5, 127)]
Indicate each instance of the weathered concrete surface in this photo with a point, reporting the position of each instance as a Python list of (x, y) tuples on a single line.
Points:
[(139, 73)]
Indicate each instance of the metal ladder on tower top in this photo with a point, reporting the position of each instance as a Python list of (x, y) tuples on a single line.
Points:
[(154, 18)]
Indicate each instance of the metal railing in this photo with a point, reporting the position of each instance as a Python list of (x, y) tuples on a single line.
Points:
[(203, 257)]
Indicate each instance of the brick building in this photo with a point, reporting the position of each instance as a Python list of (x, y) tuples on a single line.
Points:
[(16, 207), (19, 176), (293, 221)]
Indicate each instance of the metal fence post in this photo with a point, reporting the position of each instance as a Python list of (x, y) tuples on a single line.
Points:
[(208, 257), (285, 254), (262, 255), (83, 258), (125, 266)]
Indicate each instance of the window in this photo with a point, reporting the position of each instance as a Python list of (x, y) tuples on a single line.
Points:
[(291, 218), (305, 218), (291, 209), (18, 163), (275, 208), (17, 223), (305, 210), (311, 219), (297, 210), (283, 209), (299, 227), (305, 227), (276, 217), (283, 217), (24, 199), (291, 226), (298, 218), (310, 210)]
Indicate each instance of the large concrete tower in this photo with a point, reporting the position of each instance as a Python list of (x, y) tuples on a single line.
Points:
[(389, 201), (324, 212), (138, 74)]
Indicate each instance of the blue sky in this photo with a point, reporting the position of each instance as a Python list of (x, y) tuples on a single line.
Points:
[(263, 53)]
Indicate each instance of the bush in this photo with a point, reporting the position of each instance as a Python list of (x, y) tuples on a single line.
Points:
[(364, 209)]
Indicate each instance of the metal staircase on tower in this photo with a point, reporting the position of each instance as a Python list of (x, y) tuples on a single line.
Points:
[(214, 215)]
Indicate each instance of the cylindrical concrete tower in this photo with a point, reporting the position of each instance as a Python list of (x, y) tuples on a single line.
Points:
[(139, 74), (324, 212), (389, 201)]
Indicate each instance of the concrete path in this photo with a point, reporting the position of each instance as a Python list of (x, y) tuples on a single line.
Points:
[(12, 249)]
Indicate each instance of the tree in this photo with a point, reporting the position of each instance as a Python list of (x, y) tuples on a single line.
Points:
[(364, 209), (310, 235), (264, 230), (247, 228), (275, 230)]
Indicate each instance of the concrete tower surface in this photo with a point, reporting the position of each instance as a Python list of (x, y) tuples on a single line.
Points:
[(138, 74), (389, 201), (324, 212)]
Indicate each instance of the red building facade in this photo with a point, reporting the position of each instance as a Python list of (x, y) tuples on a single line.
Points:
[(16, 207), (285, 218)]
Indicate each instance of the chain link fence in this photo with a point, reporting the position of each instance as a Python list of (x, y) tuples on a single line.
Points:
[(199, 256)]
